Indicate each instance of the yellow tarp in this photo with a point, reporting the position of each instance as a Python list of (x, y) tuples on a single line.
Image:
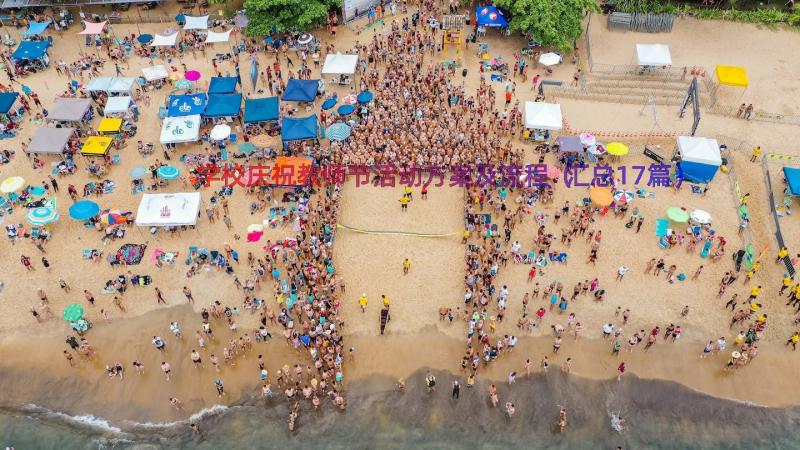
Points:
[(109, 125), (96, 145), (732, 76)]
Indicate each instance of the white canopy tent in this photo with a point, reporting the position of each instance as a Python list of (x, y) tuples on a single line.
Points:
[(165, 41), (121, 85), (117, 105), (653, 55), (177, 130), (99, 84), (154, 73), (175, 209), (699, 150), (340, 64), (543, 116), (214, 37), (196, 23)]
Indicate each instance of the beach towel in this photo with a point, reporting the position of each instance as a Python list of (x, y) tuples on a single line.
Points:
[(130, 254), (661, 227), (706, 249), (497, 78)]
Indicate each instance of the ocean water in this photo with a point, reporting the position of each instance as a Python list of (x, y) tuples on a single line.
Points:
[(658, 414)]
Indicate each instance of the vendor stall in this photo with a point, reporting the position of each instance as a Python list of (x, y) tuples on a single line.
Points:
[(70, 110), (650, 56), (223, 85), (111, 85), (699, 158), (223, 105), (31, 55), (154, 73), (96, 145), (117, 106), (177, 130), (542, 118), (50, 140), (187, 105), (109, 126), (261, 110), (299, 129), (301, 90), (8, 104), (178, 209), (341, 65)]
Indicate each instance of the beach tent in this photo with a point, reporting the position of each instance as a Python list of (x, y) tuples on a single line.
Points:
[(30, 50), (299, 128), (187, 104), (180, 129), (7, 100), (169, 40), (117, 105), (490, 16), (69, 109), (109, 125), (96, 145), (223, 105), (50, 140), (732, 76), (340, 64), (223, 85), (36, 28), (653, 55), (175, 209), (93, 28), (122, 85), (154, 73), (792, 175), (196, 23), (261, 110), (700, 158), (543, 116), (98, 84), (214, 37), (301, 90), (570, 144), (291, 171)]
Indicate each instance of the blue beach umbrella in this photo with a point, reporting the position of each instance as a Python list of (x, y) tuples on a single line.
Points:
[(42, 216), (365, 97), (138, 172), (180, 18), (168, 172), (84, 210), (346, 109), (145, 38), (329, 103), (254, 71), (337, 132)]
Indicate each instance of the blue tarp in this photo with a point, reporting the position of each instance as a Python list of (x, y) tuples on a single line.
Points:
[(222, 85), (31, 50), (186, 105), (261, 109), (792, 175), (299, 128), (697, 172), (490, 16), (36, 28), (6, 100), (301, 90), (223, 105)]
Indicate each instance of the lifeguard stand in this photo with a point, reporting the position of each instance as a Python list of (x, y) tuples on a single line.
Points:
[(452, 25)]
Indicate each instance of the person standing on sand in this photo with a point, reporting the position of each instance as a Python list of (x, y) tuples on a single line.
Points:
[(456, 389), (159, 297), (406, 266), (220, 388), (167, 369), (621, 271), (620, 370)]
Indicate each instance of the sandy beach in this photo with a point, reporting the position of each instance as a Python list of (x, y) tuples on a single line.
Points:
[(375, 237)]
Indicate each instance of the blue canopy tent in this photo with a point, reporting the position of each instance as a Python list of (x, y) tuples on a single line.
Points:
[(792, 175), (261, 110), (7, 100), (490, 16), (31, 50), (222, 85), (187, 105), (36, 28), (299, 128), (223, 105), (700, 158), (301, 90)]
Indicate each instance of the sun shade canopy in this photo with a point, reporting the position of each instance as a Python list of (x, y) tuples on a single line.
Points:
[(69, 109), (732, 76), (50, 140), (543, 116), (340, 64), (653, 55), (168, 209), (261, 109)]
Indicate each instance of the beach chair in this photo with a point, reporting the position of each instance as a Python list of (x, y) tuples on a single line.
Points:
[(35, 231), (661, 227), (214, 254), (706, 249), (116, 158)]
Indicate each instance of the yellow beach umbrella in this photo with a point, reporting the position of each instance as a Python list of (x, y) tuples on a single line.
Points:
[(12, 184), (617, 149)]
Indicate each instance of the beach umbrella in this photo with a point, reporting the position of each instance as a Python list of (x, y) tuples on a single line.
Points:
[(183, 84), (110, 217), (617, 149), (255, 227), (365, 97), (138, 172), (12, 184), (254, 71), (700, 216), (597, 149), (37, 191), (345, 110), (81, 325), (587, 139), (676, 214), (144, 38), (192, 75), (550, 59), (241, 20), (262, 140), (42, 216), (84, 210), (329, 103), (338, 131), (623, 196), (350, 99), (254, 236), (168, 172), (220, 132), (305, 38), (73, 312), (180, 18), (600, 196), (552, 172)]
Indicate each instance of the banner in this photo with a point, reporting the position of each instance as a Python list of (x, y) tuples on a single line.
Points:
[(354, 8)]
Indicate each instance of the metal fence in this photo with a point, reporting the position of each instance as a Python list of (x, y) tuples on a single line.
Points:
[(614, 95), (758, 115)]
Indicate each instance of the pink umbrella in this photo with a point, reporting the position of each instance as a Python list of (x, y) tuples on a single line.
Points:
[(350, 99), (192, 75), (254, 236), (552, 172)]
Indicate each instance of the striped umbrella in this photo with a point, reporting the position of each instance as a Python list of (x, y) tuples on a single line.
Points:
[(183, 84), (262, 140), (42, 216), (623, 196), (110, 217), (350, 99), (168, 172), (338, 132), (12, 184)]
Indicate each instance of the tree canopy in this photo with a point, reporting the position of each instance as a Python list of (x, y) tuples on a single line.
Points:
[(267, 16), (550, 22)]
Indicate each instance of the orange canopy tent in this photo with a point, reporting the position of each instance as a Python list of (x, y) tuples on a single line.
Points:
[(291, 171)]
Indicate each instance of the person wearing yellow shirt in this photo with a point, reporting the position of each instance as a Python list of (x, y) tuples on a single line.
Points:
[(465, 236), (363, 302), (755, 291), (754, 307), (745, 199), (408, 193), (787, 283), (782, 253), (406, 266), (386, 302), (404, 203), (794, 340), (756, 154)]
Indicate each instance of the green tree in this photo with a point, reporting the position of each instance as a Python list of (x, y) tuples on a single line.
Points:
[(268, 15), (549, 22)]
